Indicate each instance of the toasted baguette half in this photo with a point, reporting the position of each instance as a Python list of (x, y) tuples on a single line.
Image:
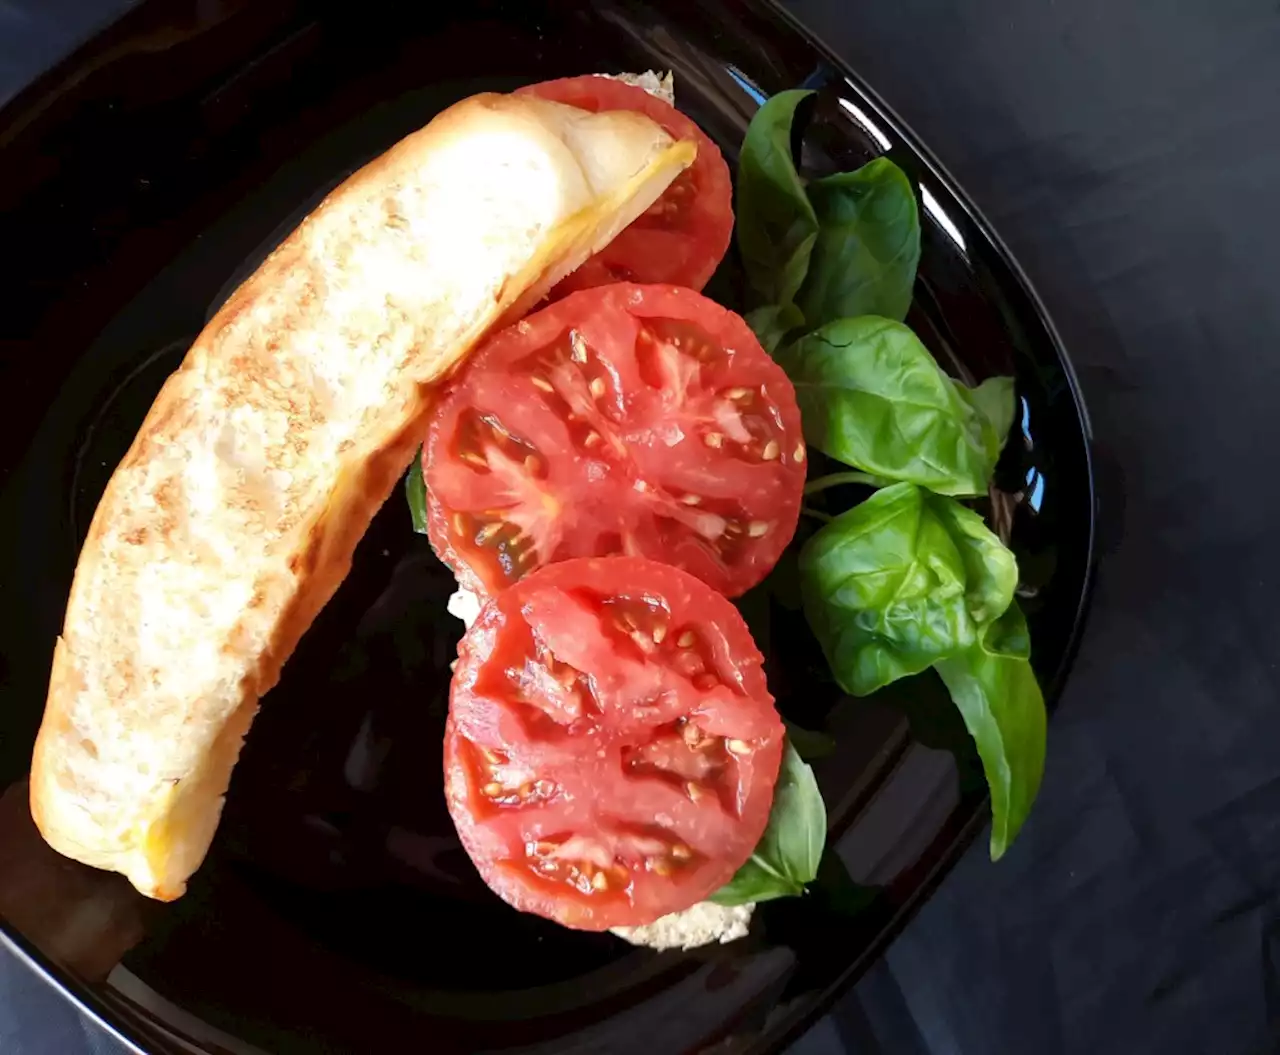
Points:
[(235, 513)]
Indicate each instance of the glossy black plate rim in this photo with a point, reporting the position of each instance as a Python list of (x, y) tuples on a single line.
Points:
[(141, 1034)]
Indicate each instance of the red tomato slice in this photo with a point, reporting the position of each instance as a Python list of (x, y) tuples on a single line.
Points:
[(612, 748), (644, 420), (683, 236)]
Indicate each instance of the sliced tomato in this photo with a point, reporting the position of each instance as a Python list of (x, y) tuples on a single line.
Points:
[(683, 236), (644, 420), (612, 748)]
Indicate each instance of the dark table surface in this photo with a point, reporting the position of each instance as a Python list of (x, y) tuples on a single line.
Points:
[(1129, 153)]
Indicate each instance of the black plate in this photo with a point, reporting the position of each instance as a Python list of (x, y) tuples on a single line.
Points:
[(336, 911)]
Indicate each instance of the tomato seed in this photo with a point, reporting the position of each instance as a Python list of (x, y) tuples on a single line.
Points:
[(737, 747), (543, 849), (686, 639), (600, 882), (488, 533), (799, 453), (591, 439), (691, 500), (739, 395), (597, 387), (459, 524), (705, 682), (542, 383), (688, 664), (474, 458), (771, 451), (579, 345), (758, 528), (533, 464), (526, 790), (660, 866), (691, 734), (491, 756), (696, 792), (659, 633), (713, 440), (681, 852), (493, 790), (732, 527)]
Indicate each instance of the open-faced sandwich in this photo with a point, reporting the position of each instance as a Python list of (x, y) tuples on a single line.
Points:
[(604, 458)]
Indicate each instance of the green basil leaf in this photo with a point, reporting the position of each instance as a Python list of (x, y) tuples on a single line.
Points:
[(797, 828), (899, 582), (810, 744), (872, 396), (990, 569), (756, 881), (864, 258), (996, 692), (772, 323), (935, 721), (415, 491), (776, 224), (994, 400), (789, 852), (1008, 636)]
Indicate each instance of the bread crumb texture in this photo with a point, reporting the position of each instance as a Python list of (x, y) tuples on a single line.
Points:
[(661, 85), (700, 924)]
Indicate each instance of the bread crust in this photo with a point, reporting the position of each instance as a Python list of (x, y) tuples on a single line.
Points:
[(234, 515)]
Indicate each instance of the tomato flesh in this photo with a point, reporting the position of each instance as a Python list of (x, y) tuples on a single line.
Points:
[(641, 420), (683, 236), (612, 747)]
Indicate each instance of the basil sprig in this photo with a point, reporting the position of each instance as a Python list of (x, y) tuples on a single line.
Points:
[(789, 852), (910, 579)]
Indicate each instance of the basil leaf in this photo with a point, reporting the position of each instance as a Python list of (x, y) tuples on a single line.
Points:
[(756, 881), (810, 744), (900, 581), (864, 258), (994, 399), (935, 721), (415, 491), (1008, 636), (789, 852), (990, 568), (872, 396), (995, 690), (776, 224), (772, 323)]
